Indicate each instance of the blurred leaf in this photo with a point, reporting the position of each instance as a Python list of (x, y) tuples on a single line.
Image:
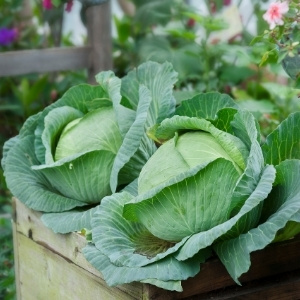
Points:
[(123, 27), (154, 12), (160, 50), (236, 74), (208, 22), (181, 33), (257, 39)]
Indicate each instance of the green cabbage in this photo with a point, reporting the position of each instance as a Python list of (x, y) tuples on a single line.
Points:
[(88, 144), (211, 187)]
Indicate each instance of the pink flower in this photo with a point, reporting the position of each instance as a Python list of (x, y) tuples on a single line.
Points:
[(47, 4), (275, 13)]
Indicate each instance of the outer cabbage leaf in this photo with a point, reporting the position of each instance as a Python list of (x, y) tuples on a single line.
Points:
[(159, 79), (148, 89), (31, 187), (124, 251), (77, 177), (112, 86), (205, 239), (78, 218), (131, 143), (235, 253), (160, 273), (69, 221), (126, 243), (282, 144)]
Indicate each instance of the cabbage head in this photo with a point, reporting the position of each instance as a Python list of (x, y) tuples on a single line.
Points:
[(88, 144), (211, 187)]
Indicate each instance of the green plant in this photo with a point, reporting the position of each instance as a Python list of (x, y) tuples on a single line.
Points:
[(211, 187), (190, 41), (93, 134), (282, 38)]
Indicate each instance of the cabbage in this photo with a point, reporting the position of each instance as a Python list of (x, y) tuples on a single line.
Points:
[(211, 187), (88, 144)]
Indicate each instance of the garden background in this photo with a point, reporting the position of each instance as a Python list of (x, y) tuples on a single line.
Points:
[(208, 43)]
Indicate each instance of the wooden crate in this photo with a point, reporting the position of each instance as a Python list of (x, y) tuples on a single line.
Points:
[(51, 266)]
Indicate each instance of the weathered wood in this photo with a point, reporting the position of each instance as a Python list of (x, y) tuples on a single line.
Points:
[(274, 259), (99, 38), (48, 275), (44, 60), (38, 248), (55, 260)]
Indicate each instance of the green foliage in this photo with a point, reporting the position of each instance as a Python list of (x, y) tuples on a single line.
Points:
[(227, 192)]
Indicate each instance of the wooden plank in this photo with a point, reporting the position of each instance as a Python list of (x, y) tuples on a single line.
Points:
[(274, 259), (44, 60), (16, 254), (44, 274), (99, 38), (282, 286), (67, 246)]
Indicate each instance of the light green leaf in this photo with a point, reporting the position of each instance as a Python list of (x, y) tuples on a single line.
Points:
[(10, 144), (112, 87), (96, 130), (162, 162), (235, 253), (77, 97), (132, 142), (205, 239), (167, 269), (159, 79), (189, 206), (29, 186), (54, 123), (69, 221), (131, 188), (149, 91), (126, 243), (236, 150), (245, 127), (81, 177)]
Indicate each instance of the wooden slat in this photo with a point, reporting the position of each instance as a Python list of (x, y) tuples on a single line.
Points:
[(44, 60), (273, 260), (44, 256), (99, 38)]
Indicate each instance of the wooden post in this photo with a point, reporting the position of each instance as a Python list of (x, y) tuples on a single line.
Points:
[(99, 38)]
